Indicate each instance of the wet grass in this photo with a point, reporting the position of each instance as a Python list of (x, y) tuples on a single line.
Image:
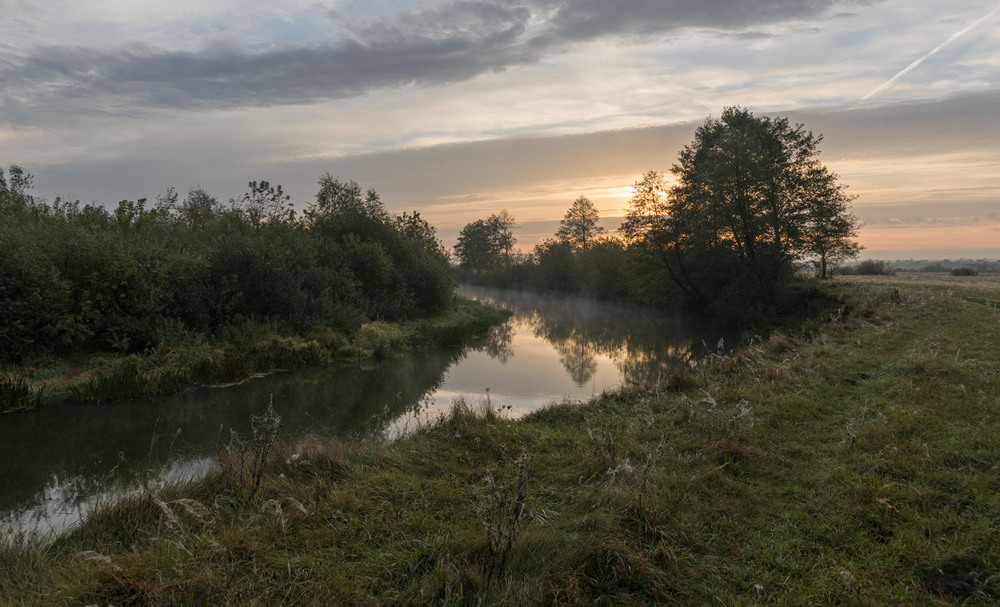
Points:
[(853, 464)]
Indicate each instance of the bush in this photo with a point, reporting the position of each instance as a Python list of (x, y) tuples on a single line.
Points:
[(964, 272), (73, 277)]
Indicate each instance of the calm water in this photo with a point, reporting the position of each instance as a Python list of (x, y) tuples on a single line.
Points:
[(55, 463)]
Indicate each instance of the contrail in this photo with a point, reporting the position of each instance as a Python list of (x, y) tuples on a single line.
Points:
[(888, 83)]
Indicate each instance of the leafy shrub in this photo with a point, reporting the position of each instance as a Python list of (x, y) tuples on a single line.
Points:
[(964, 272)]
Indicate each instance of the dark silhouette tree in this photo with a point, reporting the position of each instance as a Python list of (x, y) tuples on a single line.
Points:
[(751, 199), (579, 226)]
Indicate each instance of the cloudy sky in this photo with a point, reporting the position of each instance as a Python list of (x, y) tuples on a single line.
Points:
[(459, 108)]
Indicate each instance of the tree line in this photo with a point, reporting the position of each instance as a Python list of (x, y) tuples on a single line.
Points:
[(80, 276), (750, 203)]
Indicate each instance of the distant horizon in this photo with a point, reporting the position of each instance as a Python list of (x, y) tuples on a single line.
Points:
[(933, 255)]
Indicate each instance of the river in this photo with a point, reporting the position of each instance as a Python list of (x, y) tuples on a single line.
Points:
[(57, 462)]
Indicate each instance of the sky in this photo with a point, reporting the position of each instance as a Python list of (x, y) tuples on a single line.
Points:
[(458, 109)]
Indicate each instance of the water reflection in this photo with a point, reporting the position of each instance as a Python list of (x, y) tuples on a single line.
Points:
[(499, 342), (644, 344), (59, 461), (53, 462)]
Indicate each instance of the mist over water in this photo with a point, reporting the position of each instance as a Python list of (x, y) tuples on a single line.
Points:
[(55, 463)]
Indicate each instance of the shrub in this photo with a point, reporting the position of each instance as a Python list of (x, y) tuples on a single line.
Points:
[(73, 277), (964, 272)]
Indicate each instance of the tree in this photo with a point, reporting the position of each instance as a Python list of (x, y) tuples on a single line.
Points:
[(263, 202), (199, 209), (647, 231), (487, 245), (579, 226), (751, 199), (14, 188), (502, 230), (833, 229), (417, 228), (340, 200)]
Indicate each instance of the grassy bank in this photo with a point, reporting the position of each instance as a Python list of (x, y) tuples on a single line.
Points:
[(856, 465), (236, 355)]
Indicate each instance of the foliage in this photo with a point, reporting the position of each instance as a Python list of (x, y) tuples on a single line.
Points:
[(77, 276), (579, 227), (264, 202), (964, 272), (751, 199), (487, 245), (580, 259)]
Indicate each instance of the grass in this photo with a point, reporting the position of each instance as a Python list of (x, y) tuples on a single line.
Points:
[(17, 393), (239, 354), (856, 463)]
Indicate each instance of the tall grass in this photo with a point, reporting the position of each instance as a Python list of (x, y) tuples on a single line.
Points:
[(17, 393)]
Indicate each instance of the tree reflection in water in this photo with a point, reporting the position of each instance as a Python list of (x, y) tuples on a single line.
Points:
[(499, 343), (645, 344)]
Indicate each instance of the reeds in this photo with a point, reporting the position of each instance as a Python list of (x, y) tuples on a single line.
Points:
[(17, 394)]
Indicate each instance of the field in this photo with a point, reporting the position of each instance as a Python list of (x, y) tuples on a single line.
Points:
[(855, 461)]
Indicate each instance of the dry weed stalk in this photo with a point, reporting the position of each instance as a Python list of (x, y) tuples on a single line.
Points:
[(501, 506), (245, 458)]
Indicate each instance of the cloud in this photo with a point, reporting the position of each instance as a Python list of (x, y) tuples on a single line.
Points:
[(590, 19), (451, 42), (891, 81), (931, 143)]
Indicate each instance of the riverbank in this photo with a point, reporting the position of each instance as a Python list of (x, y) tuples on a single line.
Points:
[(237, 355), (856, 463)]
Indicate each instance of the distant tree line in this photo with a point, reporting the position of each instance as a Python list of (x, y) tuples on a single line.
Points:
[(751, 202), (958, 267), (991, 266), (80, 276)]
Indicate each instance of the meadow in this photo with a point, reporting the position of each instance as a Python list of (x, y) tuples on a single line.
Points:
[(852, 460)]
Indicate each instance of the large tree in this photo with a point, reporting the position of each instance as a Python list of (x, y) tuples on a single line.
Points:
[(578, 227), (751, 199)]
